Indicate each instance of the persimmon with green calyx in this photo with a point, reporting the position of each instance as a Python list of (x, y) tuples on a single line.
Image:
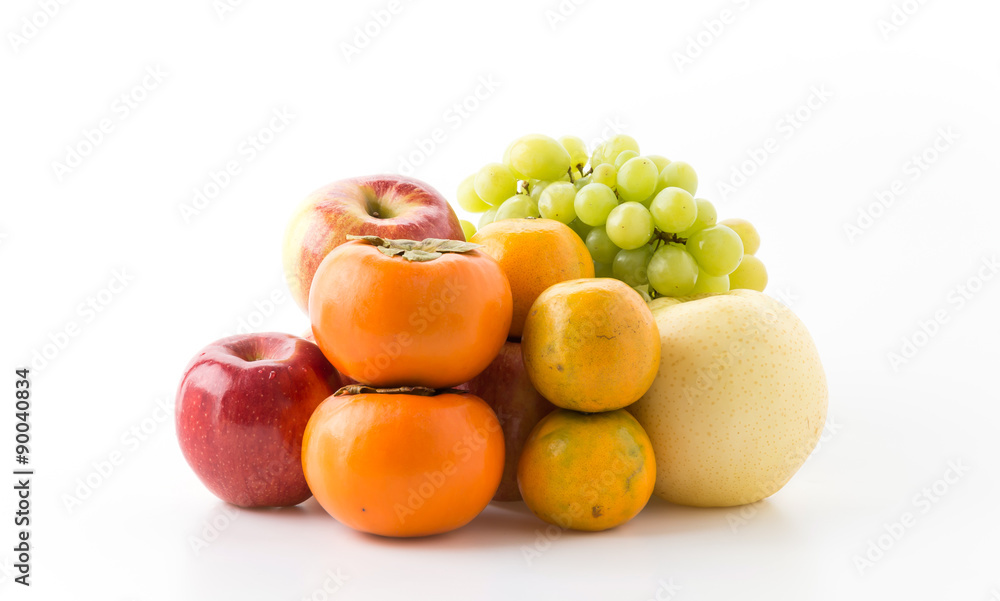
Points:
[(410, 313), (403, 462)]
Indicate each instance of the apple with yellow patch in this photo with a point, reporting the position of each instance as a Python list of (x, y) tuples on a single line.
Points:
[(739, 401)]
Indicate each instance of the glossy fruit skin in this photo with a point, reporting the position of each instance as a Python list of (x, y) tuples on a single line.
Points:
[(402, 464), (505, 387), (387, 321), (591, 345), (358, 206), (750, 275), (534, 254), (240, 423), (587, 471), (747, 233)]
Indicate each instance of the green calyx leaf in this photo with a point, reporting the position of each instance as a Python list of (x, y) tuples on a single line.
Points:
[(414, 250), (353, 389)]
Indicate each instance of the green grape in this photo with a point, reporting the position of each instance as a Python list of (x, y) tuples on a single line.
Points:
[(597, 157), (467, 197), (630, 265), (594, 202), (673, 210), (659, 161), (467, 228), (710, 284), (601, 248), (629, 225), (518, 206), (506, 161), (717, 249), (581, 182), (623, 157), (535, 189), (557, 202), (672, 271), (539, 157), (495, 183), (679, 174), (750, 275), (643, 292), (637, 179), (706, 218), (618, 144), (488, 217), (577, 150), (581, 228), (602, 270), (747, 233), (606, 174)]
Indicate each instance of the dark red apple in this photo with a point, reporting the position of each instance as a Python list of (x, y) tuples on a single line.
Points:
[(242, 408), (505, 386), (388, 206)]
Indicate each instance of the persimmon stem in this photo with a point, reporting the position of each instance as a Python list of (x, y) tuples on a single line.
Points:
[(353, 389), (414, 250)]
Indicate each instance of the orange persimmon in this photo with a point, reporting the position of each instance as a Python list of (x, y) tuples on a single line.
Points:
[(402, 313), (403, 462)]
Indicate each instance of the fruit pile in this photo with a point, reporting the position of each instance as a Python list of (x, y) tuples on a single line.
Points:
[(447, 368), (637, 214)]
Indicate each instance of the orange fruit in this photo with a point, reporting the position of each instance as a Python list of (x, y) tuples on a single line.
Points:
[(587, 471), (403, 464), (398, 321), (535, 254), (591, 345)]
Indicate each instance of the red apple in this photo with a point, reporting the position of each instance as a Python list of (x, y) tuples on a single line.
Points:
[(505, 386), (388, 206), (242, 408)]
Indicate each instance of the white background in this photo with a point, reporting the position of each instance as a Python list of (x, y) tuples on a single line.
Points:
[(892, 431)]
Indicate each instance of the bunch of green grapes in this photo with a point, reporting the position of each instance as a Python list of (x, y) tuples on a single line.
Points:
[(636, 213)]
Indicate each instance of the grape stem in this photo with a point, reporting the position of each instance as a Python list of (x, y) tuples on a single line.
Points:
[(661, 239), (570, 171), (667, 237)]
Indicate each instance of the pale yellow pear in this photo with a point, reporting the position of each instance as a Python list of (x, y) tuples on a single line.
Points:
[(739, 401)]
